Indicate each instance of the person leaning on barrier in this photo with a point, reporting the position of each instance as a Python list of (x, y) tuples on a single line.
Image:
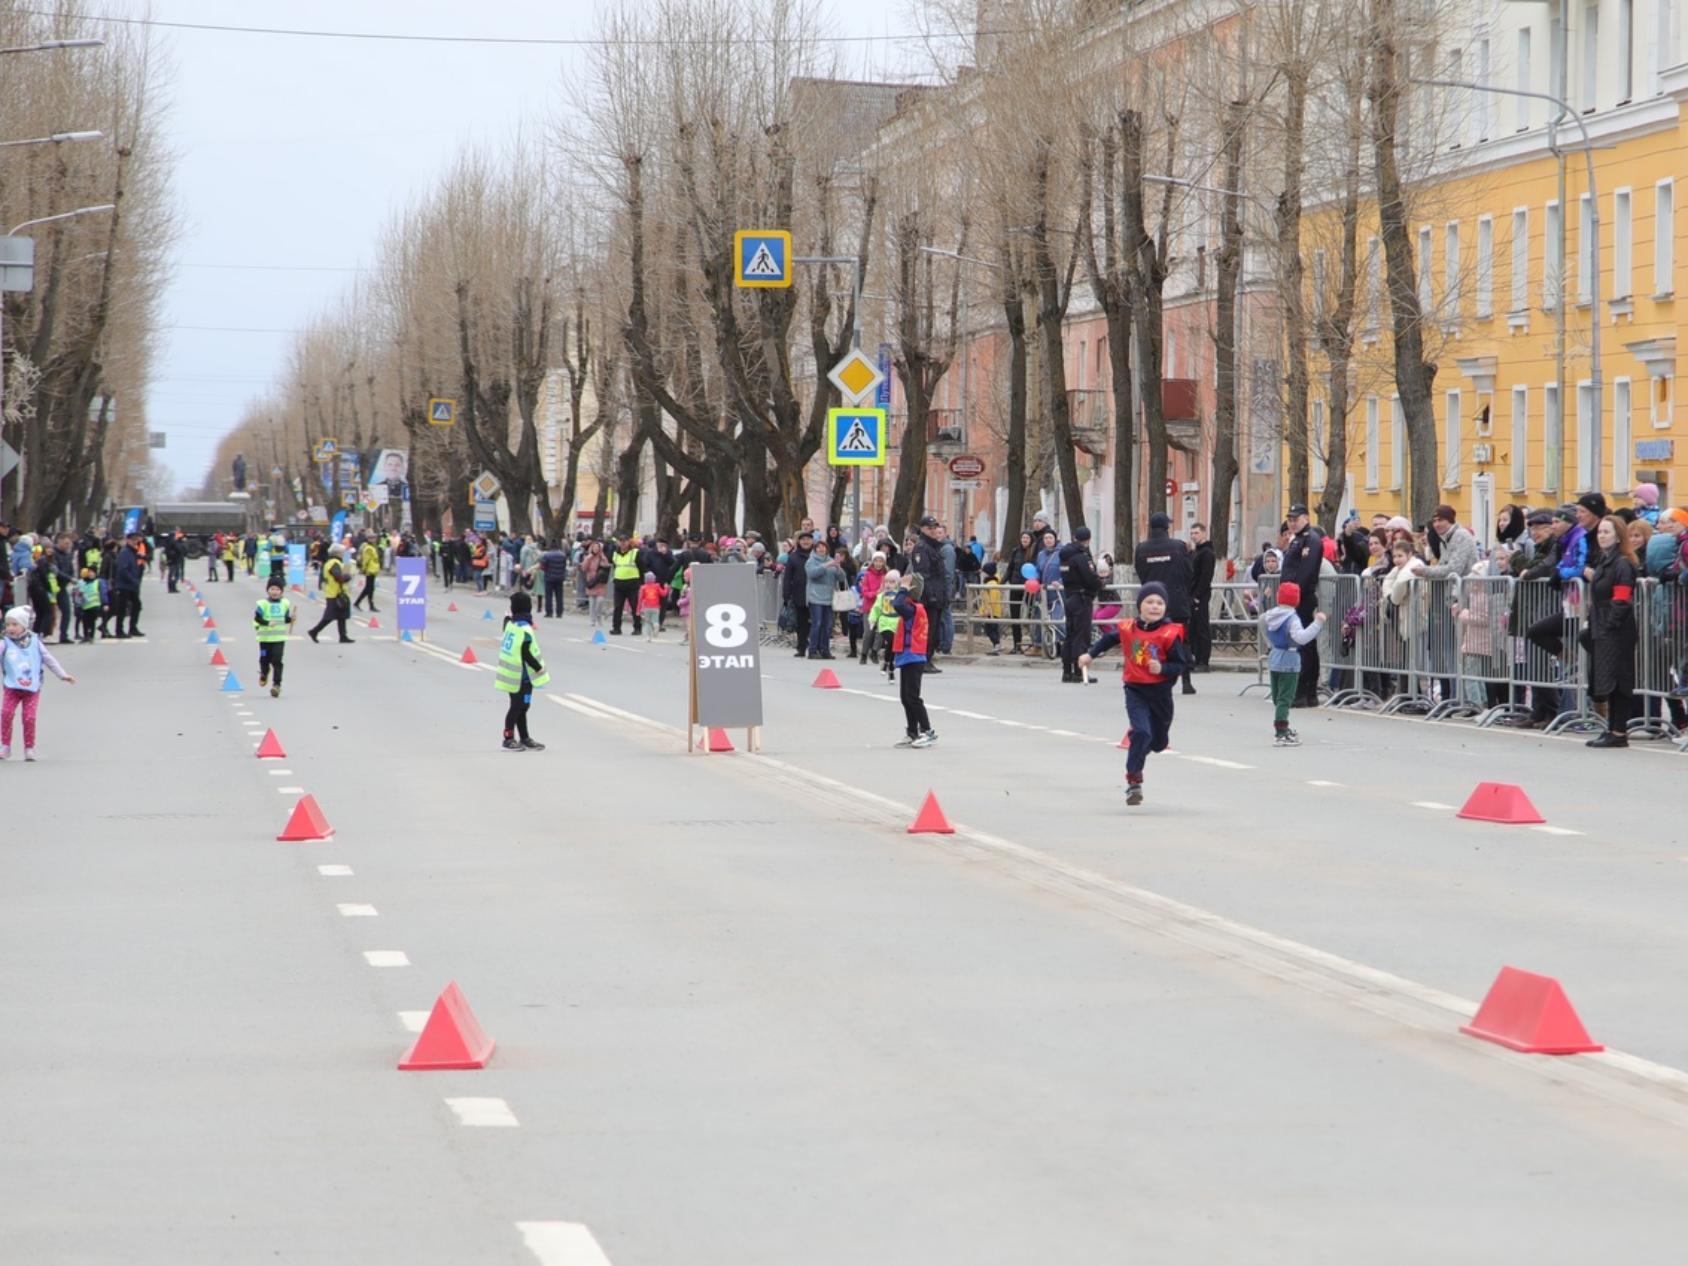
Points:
[(1611, 633)]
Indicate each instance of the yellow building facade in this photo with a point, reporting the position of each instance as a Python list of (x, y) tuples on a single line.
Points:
[(1518, 417)]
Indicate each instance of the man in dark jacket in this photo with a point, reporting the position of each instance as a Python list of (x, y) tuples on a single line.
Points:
[(554, 566), (1200, 630), (794, 585), (1303, 557), (926, 560), (1163, 559), (660, 561), (126, 587), (1079, 586)]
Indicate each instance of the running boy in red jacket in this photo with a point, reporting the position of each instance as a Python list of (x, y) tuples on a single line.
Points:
[(1155, 658)]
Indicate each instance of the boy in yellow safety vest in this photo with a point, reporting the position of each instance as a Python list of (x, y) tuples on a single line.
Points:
[(521, 670), (272, 620)]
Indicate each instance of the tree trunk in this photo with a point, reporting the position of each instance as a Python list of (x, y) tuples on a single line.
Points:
[(1146, 265), (1229, 269), (1014, 314), (1336, 336), (1414, 376), (1290, 282), (1051, 315)]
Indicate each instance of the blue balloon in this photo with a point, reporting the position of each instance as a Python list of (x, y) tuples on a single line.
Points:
[(1028, 570)]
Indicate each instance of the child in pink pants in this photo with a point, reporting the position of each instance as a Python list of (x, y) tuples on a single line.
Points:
[(23, 656)]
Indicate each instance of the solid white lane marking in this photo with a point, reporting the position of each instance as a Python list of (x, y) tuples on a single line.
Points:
[(413, 1021), (291, 791), (1434, 804), (1017, 725), (562, 1244), (1067, 733), (971, 716), (483, 1112), (355, 910), (1211, 760), (1554, 830), (1322, 782), (386, 958), (334, 870), (280, 773)]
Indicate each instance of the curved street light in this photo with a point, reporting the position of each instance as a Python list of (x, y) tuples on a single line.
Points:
[(65, 215)]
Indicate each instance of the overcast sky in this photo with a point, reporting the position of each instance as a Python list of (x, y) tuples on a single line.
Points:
[(293, 151)]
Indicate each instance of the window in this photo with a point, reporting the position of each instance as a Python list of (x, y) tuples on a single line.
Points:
[(1397, 453), (1371, 443), (1620, 435), (1661, 49), (1318, 285), (1520, 438), (1585, 249), (1589, 88), (1456, 102), (1552, 257), (1588, 473), (1374, 285), (1316, 446), (1664, 237), (1556, 68), (1521, 81), (1622, 246), (1485, 265), (1424, 263), (1451, 443), (1450, 271), (1082, 365), (1626, 51), (1485, 119), (1520, 259), (1552, 437)]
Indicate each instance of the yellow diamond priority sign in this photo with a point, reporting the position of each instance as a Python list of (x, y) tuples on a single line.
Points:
[(856, 376)]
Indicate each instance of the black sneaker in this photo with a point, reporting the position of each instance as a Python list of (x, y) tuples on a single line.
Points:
[(1134, 793), (530, 745), (275, 691), (512, 745), (311, 633), (907, 740), (933, 669)]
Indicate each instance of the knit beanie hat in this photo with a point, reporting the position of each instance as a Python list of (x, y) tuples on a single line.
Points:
[(521, 603), (1645, 494), (1152, 589), (1289, 594)]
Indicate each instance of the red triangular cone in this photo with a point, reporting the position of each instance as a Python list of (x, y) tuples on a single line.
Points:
[(209, 623), (1126, 741), (218, 659), (828, 680), (452, 1038), (270, 748), (1500, 802), (307, 822), (1526, 1012), (718, 741), (468, 656), (374, 623), (930, 820), (452, 607)]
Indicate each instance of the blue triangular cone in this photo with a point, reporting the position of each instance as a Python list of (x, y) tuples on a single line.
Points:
[(404, 636), (598, 638), (211, 638), (487, 614), (231, 684), (311, 595)]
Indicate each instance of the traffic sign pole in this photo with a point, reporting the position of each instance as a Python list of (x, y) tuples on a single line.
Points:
[(855, 342)]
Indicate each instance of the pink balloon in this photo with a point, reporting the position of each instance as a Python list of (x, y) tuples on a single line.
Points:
[(1033, 585)]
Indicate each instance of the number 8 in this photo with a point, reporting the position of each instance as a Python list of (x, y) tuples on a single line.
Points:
[(724, 625)]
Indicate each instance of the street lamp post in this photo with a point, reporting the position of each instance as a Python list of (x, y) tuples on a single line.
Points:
[(1596, 384)]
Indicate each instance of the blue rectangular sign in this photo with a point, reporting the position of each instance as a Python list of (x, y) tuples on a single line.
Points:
[(296, 565), (412, 593), (882, 397)]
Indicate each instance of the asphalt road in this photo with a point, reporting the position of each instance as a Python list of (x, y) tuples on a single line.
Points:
[(744, 1018)]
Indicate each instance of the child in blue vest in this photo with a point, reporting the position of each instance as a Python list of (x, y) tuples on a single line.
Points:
[(1286, 635), (1155, 658), (24, 656)]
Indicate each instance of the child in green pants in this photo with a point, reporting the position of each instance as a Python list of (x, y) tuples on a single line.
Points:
[(1286, 635)]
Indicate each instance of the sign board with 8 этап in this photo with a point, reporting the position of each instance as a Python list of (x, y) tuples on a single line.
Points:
[(726, 672)]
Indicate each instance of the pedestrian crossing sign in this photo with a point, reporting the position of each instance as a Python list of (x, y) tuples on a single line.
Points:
[(855, 437), (442, 412), (762, 259)]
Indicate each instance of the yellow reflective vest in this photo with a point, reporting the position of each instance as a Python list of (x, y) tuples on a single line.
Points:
[(510, 666), (626, 565)]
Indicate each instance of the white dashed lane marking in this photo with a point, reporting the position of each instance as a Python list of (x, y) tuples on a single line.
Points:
[(334, 870), (356, 910), (280, 773), (1554, 830), (562, 1244), (413, 1021), (1322, 782), (483, 1112), (1437, 805), (291, 791), (386, 958)]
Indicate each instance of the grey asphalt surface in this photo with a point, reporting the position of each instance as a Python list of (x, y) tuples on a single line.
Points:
[(744, 1018)]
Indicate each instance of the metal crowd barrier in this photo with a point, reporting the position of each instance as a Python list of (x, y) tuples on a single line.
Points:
[(1661, 677)]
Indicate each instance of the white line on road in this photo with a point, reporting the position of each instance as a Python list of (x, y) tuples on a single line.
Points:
[(386, 958), (1211, 760), (494, 1113), (1067, 733), (972, 716), (413, 1021), (1434, 804), (334, 870), (291, 791), (1554, 830), (1322, 782), (562, 1244), (355, 910), (280, 773)]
